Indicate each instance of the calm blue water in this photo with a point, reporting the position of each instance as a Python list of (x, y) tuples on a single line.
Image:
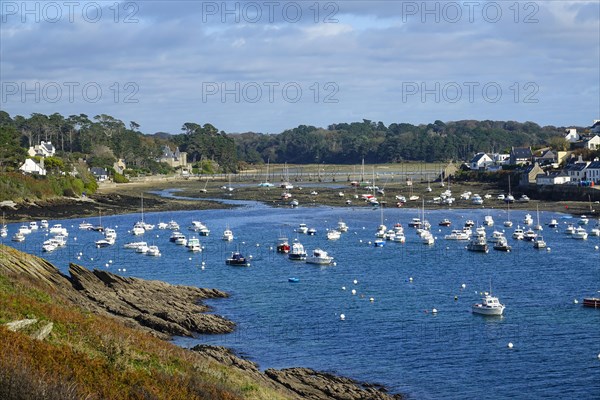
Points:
[(392, 340)]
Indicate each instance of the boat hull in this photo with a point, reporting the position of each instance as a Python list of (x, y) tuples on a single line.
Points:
[(592, 302), (495, 311)]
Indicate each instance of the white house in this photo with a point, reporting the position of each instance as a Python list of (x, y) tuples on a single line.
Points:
[(480, 161), (592, 172), (101, 174), (500, 159), (555, 178), (571, 135), (33, 168), (44, 149), (592, 143), (576, 171)]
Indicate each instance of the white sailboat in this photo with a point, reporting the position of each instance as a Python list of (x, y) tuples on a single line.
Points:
[(266, 183)]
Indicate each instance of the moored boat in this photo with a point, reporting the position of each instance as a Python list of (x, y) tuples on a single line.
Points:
[(580, 234), (297, 252), (593, 302), (319, 257), (489, 305), (237, 259), (539, 243), (283, 246), (193, 244), (502, 244), (445, 222), (478, 244)]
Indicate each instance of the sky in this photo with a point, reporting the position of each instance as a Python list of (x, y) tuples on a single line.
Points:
[(267, 66)]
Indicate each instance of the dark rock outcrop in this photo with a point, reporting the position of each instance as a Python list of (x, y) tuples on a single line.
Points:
[(302, 383)]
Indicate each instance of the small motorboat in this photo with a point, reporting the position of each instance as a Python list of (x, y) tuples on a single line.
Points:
[(529, 235), (181, 241), (153, 251), (293, 280), (33, 226), (528, 220), (227, 235), (427, 238), (172, 225), (44, 224), (445, 222), (85, 226), (237, 259), (134, 245), (399, 238), (570, 229), (457, 234), (469, 223), (539, 243), (176, 235), (476, 200), (583, 220), (342, 227), (415, 223), (518, 234), (478, 244), (333, 234), (319, 257), (193, 244), (18, 237), (489, 305), (488, 220), (302, 228), (553, 223), (24, 229), (138, 229), (311, 231), (524, 199), (379, 242), (104, 243), (58, 229), (502, 244), (283, 246), (297, 252), (580, 233)]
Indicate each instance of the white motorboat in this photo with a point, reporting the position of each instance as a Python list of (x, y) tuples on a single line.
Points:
[(528, 220), (85, 226), (44, 224), (104, 242), (342, 227), (57, 241), (181, 241), (390, 234), (508, 223), (380, 242), (18, 237), (496, 235), (58, 229), (110, 234), (176, 235), (138, 229), (553, 223), (489, 305), (502, 244), (478, 243), (302, 228), (24, 229), (399, 238), (297, 252), (162, 225), (415, 223), (311, 231), (134, 245), (33, 226), (445, 222), (539, 243), (580, 233), (457, 234), (381, 229), (333, 234), (4, 231), (227, 235), (319, 257), (398, 229), (524, 199), (172, 225), (469, 223), (427, 238), (238, 260), (153, 251), (583, 220), (49, 247), (529, 235), (570, 229), (193, 244), (488, 220), (518, 234)]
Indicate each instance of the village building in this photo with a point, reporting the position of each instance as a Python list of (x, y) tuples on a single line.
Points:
[(30, 167)]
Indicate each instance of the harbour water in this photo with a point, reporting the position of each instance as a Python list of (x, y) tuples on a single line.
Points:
[(395, 339)]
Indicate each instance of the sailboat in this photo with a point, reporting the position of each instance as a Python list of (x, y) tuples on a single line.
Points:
[(99, 227), (509, 197), (538, 227), (266, 183), (3, 229), (508, 223), (203, 190)]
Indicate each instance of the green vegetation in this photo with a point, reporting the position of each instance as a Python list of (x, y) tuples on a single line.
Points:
[(17, 187), (95, 357)]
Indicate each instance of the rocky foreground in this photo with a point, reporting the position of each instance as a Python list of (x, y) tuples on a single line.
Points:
[(164, 310)]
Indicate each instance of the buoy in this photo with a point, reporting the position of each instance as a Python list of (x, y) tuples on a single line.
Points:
[(92, 259), (79, 257), (355, 281), (202, 268), (596, 247), (548, 249), (353, 292), (342, 317), (369, 242), (106, 265), (434, 311), (190, 258), (576, 301), (203, 263), (110, 261), (371, 299), (464, 285), (334, 263), (598, 356), (76, 240), (455, 298), (343, 287), (360, 241), (124, 270), (410, 279), (510, 345), (119, 269)]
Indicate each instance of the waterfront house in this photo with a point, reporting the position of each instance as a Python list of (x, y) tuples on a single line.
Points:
[(44, 149), (101, 174), (546, 157), (592, 142), (552, 178), (480, 162), (592, 172), (30, 167), (576, 170), (520, 155)]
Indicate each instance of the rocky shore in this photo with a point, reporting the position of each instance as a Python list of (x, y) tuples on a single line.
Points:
[(164, 310)]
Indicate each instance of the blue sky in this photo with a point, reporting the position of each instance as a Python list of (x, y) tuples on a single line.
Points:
[(266, 66)]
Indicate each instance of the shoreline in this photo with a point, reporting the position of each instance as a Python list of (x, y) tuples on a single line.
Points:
[(114, 199)]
